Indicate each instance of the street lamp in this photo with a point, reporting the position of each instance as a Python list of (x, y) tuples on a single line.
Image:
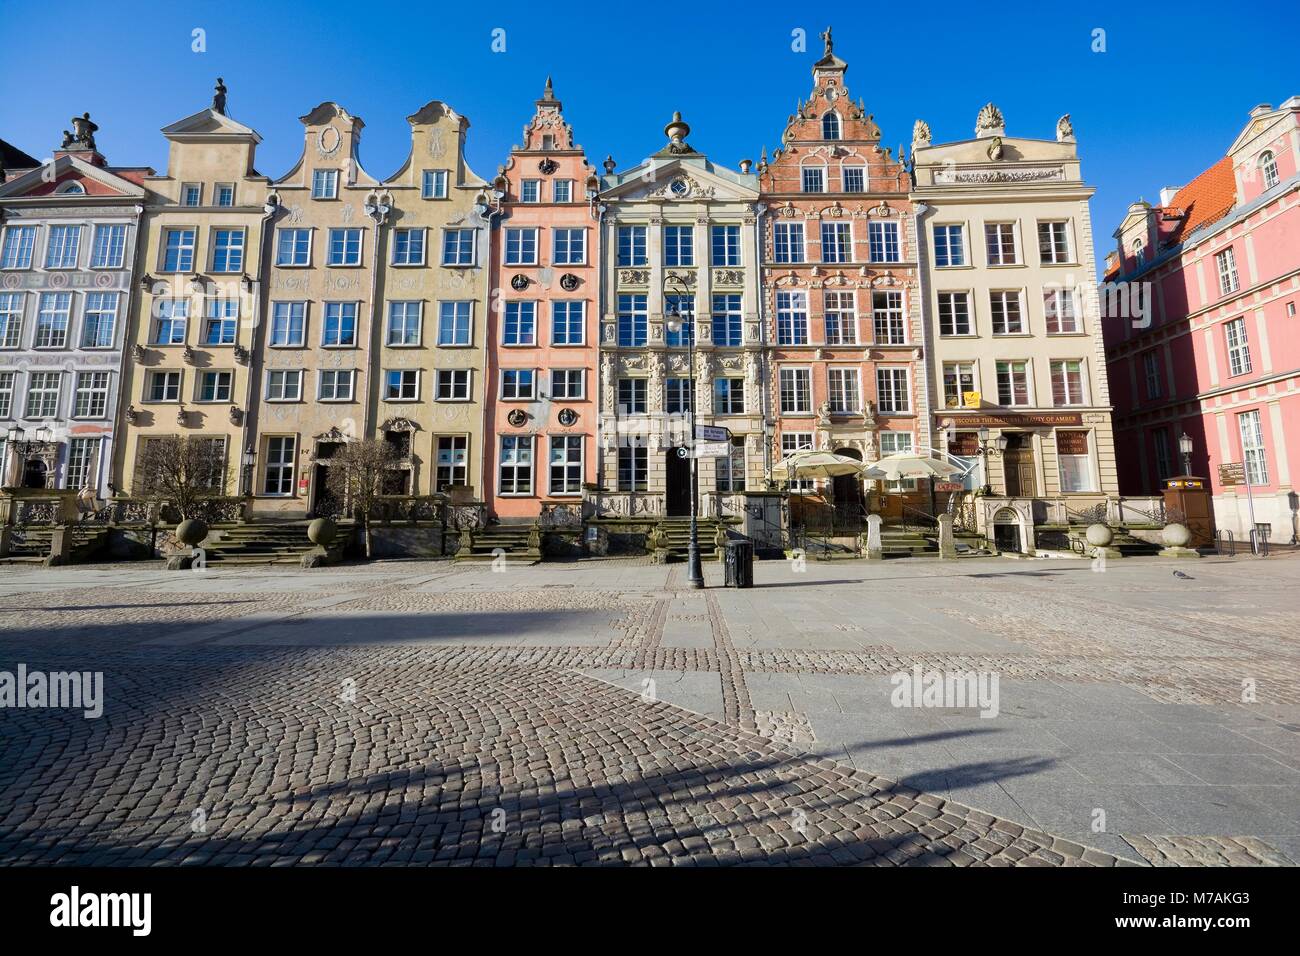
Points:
[(248, 459), (678, 323), (1185, 446), (995, 448)]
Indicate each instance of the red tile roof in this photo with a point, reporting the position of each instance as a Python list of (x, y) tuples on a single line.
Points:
[(1206, 199)]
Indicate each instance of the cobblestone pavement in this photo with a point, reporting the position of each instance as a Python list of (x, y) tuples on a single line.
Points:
[(599, 712)]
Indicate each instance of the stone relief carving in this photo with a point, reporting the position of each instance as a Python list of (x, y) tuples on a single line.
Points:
[(990, 121), (1064, 130), (920, 134)]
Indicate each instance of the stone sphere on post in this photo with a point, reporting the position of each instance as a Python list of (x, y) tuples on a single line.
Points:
[(1099, 535), (321, 531), (1176, 535), (191, 531)]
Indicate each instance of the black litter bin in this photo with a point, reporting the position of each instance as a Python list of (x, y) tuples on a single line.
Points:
[(738, 564)]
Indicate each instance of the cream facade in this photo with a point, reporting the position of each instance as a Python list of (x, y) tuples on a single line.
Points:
[(194, 318), (678, 234), (1013, 332)]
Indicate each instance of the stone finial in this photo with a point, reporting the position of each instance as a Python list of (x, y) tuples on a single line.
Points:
[(920, 134), (609, 165), (219, 97), (549, 92), (677, 131), (990, 122), (745, 165), (1064, 130)]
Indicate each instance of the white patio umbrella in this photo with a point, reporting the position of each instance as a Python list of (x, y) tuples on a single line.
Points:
[(897, 467), (815, 464)]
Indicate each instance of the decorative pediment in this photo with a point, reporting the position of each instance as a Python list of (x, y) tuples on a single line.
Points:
[(206, 123), (398, 423), (52, 179)]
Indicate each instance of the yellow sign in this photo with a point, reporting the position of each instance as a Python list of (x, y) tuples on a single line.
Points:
[(972, 399)]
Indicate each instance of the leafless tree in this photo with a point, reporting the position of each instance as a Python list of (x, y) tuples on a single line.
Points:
[(357, 473), (182, 471)]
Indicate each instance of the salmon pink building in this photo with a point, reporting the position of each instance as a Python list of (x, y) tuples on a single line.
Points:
[(540, 383), (839, 285), (1201, 296)]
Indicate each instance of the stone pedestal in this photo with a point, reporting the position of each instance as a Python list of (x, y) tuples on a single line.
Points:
[(947, 543), (1177, 537), (875, 550), (1100, 537), (6, 540), (60, 546)]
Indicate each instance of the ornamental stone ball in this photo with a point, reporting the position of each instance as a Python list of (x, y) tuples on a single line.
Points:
[(321, 531), (1099, 535), (1176, 535), (191, 531)]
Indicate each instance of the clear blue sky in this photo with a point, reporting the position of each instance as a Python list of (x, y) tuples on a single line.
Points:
[(1162, 103)]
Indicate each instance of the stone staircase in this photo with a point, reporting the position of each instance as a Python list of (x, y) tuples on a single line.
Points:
[(502, 540), (278, 543), (902, 543), (675, 537), (33, 542)]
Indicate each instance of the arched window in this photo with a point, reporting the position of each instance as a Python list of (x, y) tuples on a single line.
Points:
[(73, 188), (831, 125), (1139, 253), (1268, 166)]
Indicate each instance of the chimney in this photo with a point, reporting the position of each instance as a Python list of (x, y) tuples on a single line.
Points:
[(1167, 194)]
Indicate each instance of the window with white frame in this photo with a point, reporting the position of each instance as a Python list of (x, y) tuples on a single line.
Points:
[(178, 250), (171, 316), (1013, 383), (43, 394), (814, 179), (958, 383), (452, 385), (11, 319), (897, 443), (568, 383), (831, 125), (728, 324), (521, 246), (570, 246), (345, 247), (288, 324), (787, 242), (632, 246), (562, 190), (401, 385), (214, 386), (325, 184), (633, 321), (339, 325), (568, 322), (954, 313), (517, 385), (225, 194), (520, 327), (433, 184), (1252, 447), (454, 323), (52, 320), (19, 245), (458, 247), (725, 243), (949, 245), (892, 391), (883, 241), (1000, 239), (530, 190), (6, 399), (1004, 310), (1060, 311), (1234, 333), (293, 247), (855, 178), (792, 318), (837, 242), (1268, 168), (281, 451), (729, 471), (99, 320), (452, 461), (1074, 464), (404, 323), (845, 395), (795, 390), (792, 442), (108, 250), (164, 386), (191, 194), (284, 385), (633, 468), (1151, 373), (516, 466), (728, 396), (887, 318), (228, 250), (1227, 265), (841, 318), (90, 395), (81, 456), (678, 396), (679, 245), (408, 247), (566, 464), (335, 384), (1068, 382), (1054, 242)]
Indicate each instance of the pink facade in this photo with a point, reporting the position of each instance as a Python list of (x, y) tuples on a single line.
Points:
[(1201, 299), (541, 375)]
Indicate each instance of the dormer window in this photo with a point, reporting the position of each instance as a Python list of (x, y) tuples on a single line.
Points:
[(831, 125), (548, 141), (1268, 167)]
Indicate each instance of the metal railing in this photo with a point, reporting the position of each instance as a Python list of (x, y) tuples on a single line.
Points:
[(1258, 543)]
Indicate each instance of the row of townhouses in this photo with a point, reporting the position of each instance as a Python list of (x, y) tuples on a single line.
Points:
[(528, 336)]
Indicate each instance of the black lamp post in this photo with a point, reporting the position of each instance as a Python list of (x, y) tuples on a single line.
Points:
[(1185, 446), (248, 459), (989, 448), (686, 323)]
